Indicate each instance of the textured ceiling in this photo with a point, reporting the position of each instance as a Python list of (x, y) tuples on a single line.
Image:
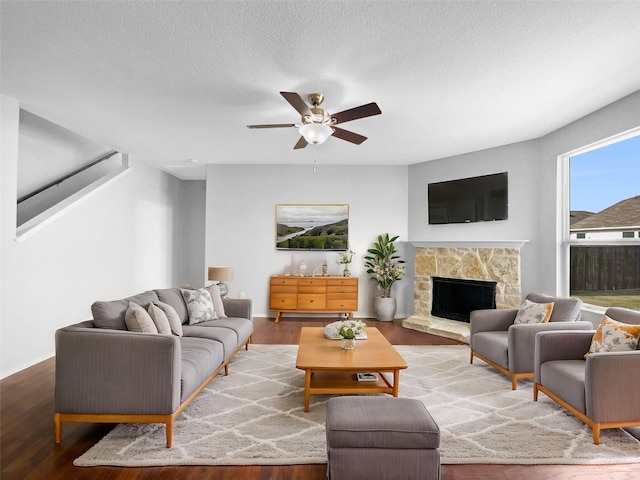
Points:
[(173, 81)]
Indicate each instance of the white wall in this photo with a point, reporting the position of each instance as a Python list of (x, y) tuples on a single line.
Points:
[(241, 204), (533, 190), (121, 241)]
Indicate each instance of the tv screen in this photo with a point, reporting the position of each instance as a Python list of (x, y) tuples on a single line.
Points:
[(474, 199)]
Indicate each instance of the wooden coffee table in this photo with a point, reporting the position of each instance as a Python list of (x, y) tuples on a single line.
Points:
[(329, 369)]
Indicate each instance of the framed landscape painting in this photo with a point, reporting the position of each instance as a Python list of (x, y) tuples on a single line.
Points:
[(312, 227)]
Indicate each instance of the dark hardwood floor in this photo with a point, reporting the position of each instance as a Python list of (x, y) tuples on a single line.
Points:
[(29, 453)]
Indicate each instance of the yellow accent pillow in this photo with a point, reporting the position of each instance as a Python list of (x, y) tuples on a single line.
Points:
[(532, 312), (613, 336)]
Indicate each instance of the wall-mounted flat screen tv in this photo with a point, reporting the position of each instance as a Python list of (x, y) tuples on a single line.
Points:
[(312, 227), (466, 200)]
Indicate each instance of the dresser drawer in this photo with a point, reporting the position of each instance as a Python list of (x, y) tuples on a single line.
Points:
[(312, 282), (284, 289), (342, 288), (344, 281), (311, 301), (346, 305), (292, 281), (283, 301)]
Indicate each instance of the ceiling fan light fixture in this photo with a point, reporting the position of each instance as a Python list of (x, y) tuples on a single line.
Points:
[(315, 133)]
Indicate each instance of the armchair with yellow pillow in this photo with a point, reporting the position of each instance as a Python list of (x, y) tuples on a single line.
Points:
[(594, 375), (505, 339)]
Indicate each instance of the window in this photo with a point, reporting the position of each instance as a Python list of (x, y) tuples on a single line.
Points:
[(602, 212)]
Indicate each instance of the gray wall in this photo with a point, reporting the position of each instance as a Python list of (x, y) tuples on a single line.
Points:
[(121, 241), (533, 191), (241, 204)]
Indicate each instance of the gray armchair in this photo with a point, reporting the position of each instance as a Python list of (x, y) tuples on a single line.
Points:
[(509, 348), (601, 390)]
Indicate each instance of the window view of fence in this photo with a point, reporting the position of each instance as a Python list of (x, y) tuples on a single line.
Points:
[(604, 251)]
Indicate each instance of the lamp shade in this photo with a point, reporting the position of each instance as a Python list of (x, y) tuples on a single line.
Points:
[(315, 133), (220, 273)]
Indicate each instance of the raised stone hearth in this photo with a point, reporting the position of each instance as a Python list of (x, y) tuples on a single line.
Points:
[(492, 261)]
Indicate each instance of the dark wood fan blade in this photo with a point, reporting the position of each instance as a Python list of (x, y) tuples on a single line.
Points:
[(362, 111), (348, 136), (301, 143), (297, 102), (273, 125)]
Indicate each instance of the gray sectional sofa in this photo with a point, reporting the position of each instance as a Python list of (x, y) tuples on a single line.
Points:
[(106, 373)]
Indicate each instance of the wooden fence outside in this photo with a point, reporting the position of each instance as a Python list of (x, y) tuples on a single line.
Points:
[(605, 268)]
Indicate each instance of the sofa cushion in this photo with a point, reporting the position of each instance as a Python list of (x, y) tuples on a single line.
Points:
[(565, 309), (226, 336), (532, 312), (138, 319), (160, 319), (565, 378), (175, 322), (110, 314), (243, 327), (200, 358), (494, 346), (218, 306), (613, 336), (173, 297), (199, 305)]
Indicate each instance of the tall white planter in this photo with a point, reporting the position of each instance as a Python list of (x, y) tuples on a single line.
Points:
[(384, 308)]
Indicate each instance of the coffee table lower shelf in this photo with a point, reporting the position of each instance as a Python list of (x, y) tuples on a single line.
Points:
[(320, 382)]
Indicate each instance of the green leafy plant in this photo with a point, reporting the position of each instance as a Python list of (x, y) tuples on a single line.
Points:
[(349, 328), (383, 264)]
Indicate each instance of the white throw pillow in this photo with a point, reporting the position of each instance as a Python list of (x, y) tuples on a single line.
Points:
[(532, 312), (199, 305), (160, 319), (218, 306), (138, 320), (174, 319)]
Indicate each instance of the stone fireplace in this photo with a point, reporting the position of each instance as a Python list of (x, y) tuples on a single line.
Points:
[(493, 261)]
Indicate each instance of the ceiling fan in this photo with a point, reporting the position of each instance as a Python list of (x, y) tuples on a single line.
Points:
[(317, 124)]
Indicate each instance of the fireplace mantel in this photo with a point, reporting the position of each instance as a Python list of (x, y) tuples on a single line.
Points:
[(471, 244)]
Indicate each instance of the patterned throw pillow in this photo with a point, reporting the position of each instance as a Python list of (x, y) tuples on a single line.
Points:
[(532, 312), (138, 320), (160, 319), (613, 336), (199, 305), (172, 316), (218, 306)]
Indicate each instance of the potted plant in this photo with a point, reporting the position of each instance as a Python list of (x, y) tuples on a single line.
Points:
[(384, 265), (345, 258), (348, 329)]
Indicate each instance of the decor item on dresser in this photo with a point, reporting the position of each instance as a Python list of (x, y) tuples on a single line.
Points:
[(384, 266), (505, 338), (220, 274), (144, 359), (345, 258)]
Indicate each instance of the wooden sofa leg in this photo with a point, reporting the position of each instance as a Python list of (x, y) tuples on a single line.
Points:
[(57, 428), (535, 392), (514, 383), (169, 425), (471, 357), (596, 433)]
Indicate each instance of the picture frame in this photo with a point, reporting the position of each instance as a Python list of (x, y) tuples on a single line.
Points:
[(322, 227)]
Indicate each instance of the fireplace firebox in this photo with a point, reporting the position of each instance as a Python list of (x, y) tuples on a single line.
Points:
[(456, 298)]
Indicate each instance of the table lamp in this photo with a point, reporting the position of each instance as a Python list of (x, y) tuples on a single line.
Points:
[(220, 274)]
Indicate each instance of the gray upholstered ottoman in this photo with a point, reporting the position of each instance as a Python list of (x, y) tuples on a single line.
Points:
[(381, 438)]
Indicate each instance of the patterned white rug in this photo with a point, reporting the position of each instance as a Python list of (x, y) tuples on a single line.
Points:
[(255, 417)]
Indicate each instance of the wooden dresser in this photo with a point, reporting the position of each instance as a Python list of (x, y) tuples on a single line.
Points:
[(313, 295)]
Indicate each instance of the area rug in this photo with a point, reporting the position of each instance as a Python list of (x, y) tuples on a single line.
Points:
[(255, 416)]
